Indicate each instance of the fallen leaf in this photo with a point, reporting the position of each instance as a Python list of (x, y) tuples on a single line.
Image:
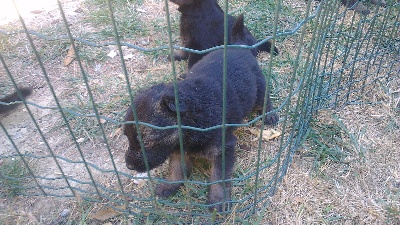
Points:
[(80, 140), (117, 132), (271, 134), (102, 120), (70, 56), (112, 54), (267, 134), (105, 214)]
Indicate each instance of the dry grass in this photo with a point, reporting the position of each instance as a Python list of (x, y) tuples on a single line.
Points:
[(364, 190)]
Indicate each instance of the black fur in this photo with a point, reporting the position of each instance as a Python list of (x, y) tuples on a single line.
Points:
[(200, 105), (13, 98), (202, 27)]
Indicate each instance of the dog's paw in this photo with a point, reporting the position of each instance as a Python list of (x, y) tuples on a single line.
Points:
[(219, 205), (271, 119), (218, 202), (166, 190)]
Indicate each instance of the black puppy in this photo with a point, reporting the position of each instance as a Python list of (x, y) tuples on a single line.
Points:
[(200, 105), (13, 98), (202, 27)]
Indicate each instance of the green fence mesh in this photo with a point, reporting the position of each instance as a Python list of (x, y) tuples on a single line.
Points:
[(66, 141)]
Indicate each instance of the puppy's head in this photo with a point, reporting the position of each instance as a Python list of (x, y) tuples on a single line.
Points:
[(154, 107)]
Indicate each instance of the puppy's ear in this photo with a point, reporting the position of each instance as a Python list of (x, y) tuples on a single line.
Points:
[(169, 102), (238, 29)]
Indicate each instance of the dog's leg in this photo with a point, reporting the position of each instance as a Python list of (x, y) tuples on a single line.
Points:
[(356, 6), (271, 118), (175, 174), (180, 55), (219, 194)]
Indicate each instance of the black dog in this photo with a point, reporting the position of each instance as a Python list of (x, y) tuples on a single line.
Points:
[(202, 27), (13, 98), (200, 105)]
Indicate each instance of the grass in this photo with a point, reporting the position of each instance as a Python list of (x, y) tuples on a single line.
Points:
[(331, 142), (127, 21), (13, 177)]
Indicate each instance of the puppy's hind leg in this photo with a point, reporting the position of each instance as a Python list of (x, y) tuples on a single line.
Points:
[(220, 193), (176, 174)]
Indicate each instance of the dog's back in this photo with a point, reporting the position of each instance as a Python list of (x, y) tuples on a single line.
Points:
[(204, 82), (245, 82), (202, 27)]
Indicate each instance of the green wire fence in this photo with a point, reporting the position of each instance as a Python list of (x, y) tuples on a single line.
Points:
[(338, 58)]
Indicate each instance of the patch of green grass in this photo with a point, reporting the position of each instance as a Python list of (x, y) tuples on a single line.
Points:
[(85, 208), (393, 214), (260, 15), (13, 176), (331, 142), (128, 23), (80, 215), (393, 125), (5, 44)]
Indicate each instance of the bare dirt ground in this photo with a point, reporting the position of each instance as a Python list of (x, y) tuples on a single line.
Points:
[(362, 191)]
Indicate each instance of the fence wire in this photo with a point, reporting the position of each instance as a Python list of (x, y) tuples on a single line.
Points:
[(338, 58)]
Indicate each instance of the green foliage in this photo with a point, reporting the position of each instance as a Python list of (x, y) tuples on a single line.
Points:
[(13, 176), (125, 15), (331, 143), (393, 214)]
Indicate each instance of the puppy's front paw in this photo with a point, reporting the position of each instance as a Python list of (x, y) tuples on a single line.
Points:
[(219, 206), (218, 202), (166, 190), (271, 119)]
